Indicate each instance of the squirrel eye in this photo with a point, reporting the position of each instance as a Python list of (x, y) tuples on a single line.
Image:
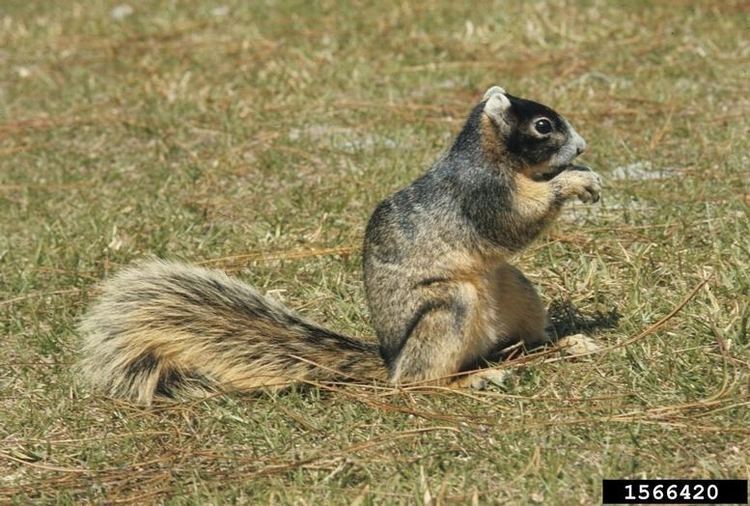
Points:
[(543, 126)]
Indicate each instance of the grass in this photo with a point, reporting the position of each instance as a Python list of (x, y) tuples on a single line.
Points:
[(258, 137)]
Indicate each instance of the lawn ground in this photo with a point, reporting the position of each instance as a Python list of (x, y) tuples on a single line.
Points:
[(257, 137)]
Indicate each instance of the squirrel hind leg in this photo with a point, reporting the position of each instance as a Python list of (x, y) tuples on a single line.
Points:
[(431, 352), (441, 340), (520, 313)]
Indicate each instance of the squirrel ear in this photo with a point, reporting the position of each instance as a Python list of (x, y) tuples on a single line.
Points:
[(496, 107), (494, 90)]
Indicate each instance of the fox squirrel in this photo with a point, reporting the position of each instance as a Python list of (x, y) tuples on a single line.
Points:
[(442, 296)]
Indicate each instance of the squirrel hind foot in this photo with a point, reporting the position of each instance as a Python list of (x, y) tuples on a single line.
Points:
[(578, 344), (484, 379)]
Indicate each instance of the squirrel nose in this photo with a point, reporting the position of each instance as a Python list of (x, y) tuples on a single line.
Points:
[(581, 147)]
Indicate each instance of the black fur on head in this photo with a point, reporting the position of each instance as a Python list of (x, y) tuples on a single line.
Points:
[(528, 134), (525, 140)]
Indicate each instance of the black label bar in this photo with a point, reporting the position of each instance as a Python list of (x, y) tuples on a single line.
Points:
[(674, 491)]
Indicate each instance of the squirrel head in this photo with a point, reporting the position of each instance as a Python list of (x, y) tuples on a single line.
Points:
[(538, 139)]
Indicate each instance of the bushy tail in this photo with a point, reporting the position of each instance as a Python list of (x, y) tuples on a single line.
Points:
[(165, 330)]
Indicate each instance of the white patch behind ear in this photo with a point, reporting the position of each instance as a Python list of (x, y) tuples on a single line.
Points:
[(496, 106), (494, 90)]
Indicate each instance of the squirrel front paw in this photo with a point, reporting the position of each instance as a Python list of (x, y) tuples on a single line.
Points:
[(578, 181)]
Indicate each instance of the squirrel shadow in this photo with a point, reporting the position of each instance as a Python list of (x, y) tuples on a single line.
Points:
[(566, 319)]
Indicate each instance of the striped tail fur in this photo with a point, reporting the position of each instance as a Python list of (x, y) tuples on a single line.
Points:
[(165, 330)]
